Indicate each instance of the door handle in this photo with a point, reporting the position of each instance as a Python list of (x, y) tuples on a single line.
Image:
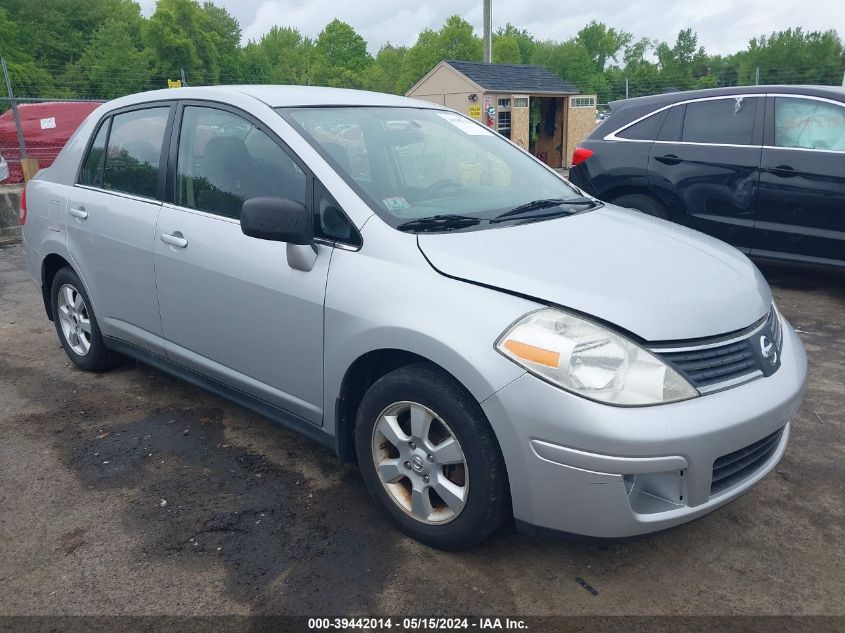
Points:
[(175, 239), (80, 213), (668, 159), (784, 171)]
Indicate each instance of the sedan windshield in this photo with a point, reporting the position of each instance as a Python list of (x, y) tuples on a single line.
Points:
[(425, 169)]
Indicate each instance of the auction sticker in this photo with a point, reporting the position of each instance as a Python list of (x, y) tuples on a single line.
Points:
[(49, 123), (396, 202), (464, 125)]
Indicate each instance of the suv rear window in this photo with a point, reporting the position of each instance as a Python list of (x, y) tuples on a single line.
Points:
[(645, 130), (723, 121)]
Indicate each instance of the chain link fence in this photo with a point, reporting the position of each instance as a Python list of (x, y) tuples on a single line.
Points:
[(34, 130)]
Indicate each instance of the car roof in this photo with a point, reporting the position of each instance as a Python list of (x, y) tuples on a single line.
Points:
[(626, 110), (832, 92), (278, 96)]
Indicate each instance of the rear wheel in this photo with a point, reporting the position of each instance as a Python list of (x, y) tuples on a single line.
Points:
[(427, 453), (643, 202), (76, 324)]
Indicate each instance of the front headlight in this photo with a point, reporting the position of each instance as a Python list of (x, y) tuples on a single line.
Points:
[(591, 360)]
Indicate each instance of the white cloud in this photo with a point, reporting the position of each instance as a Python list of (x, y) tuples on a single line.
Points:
[(723, 26)]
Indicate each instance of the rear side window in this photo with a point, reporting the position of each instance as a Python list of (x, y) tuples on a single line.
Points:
[(673, 125), (645, 130), (92, 167), (723, 121), (225, 160), (809, 124), (134, 151)]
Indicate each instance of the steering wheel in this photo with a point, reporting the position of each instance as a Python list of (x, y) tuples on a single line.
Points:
[(439, 186)]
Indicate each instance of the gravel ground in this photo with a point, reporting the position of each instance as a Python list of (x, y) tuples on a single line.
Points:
[(134, 493)]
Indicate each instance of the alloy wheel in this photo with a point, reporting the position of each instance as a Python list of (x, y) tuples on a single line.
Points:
[(74, 319), (420, 463)]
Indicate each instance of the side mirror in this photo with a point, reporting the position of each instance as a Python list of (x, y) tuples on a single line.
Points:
[(278, 220)]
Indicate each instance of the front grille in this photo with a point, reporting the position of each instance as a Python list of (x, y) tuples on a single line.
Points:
[(732, 468), (714, 364)]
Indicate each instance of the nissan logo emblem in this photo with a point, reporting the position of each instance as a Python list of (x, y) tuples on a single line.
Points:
[(767, 348)]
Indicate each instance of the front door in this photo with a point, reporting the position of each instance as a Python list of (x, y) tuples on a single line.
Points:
[(111, 222), (801, 205), (706, 163), (232, 308)]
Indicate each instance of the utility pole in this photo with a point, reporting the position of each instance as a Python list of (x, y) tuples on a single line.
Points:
[(843, 80), (757, 76), (488, 31), (626, 87)]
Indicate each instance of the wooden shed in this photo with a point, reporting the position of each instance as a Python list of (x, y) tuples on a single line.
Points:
[(530, 105)]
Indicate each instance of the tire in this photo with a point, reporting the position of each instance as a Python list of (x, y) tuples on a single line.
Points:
[(76, 324), (643, 202), (476, 487)]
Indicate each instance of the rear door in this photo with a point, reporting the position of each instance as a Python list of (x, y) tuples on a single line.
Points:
[(801, 204), (111, 221), (705, 165)]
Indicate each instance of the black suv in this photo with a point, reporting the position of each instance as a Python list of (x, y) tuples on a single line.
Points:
[(760, 167)]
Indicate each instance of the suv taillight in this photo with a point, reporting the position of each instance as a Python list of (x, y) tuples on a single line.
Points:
[(23, 206), (580, 155)]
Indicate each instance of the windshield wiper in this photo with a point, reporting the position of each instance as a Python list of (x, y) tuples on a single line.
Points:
[(443, 222), (545, 203)]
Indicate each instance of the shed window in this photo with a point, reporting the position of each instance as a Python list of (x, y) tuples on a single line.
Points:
[(582, 102), (504, 103), (520, 102)]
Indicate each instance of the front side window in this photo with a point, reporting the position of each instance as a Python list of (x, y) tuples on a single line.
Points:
[(723, 121), (413, 163), (225, 160), (134, 151), (92, 167), (809, 124)]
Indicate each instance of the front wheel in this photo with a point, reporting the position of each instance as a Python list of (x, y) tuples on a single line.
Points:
[(427, 453)]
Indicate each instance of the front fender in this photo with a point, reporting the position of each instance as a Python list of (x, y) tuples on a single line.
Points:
[(409, 306)]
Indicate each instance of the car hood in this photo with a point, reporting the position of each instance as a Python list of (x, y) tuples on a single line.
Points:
[(658, 280)]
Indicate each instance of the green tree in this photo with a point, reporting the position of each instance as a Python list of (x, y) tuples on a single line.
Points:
[(28, 79), (227, 35), (385, 73), (55, 32), (281, 56), (506, 50), (793, 56), (457, 40), (420, 58), (340, 57), (524, 40), (183, 35), (603, 44), (111, 65), (682, 64)]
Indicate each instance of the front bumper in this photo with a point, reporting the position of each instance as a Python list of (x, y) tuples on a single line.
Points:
[(587, 468)]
